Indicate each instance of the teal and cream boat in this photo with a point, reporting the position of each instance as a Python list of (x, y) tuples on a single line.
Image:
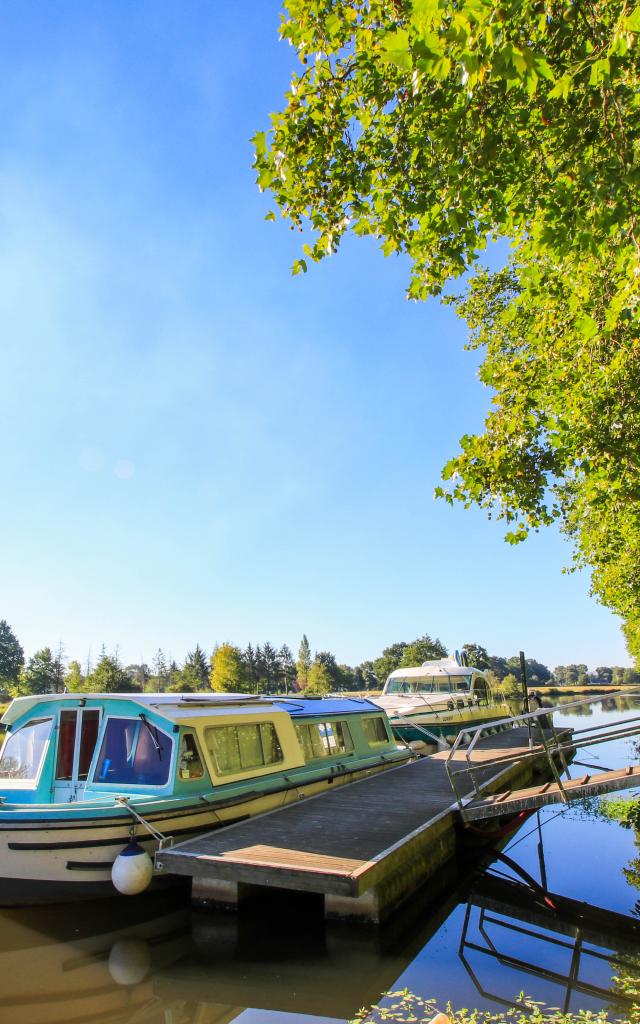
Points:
[(431, 704), (88, 779)]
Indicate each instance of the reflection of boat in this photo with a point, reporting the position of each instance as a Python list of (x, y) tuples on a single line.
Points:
[(80, 774), (94, 965), (434, 702)]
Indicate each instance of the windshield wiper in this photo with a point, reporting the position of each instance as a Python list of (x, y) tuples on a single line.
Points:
[(151, 729)]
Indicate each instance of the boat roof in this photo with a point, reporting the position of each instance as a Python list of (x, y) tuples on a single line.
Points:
[(442, 667), (180, 706)]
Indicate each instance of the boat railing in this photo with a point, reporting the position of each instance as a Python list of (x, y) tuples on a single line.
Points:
[(556, 745)]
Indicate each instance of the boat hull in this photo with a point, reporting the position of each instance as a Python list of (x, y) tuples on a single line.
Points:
[(410, 726), (62, 859)]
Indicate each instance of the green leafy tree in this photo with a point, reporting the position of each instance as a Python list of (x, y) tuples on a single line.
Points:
[(196, 669), (422, 649), (603, 674), (74, 679), (287, 668), (303, 663), (228, 670), (40, 675), (11, 656), (437, 126), (59, 661), (110, 677), (389, 661), (537, 673), (189, 678), (270, 668), (334, 674), (498, 666), (359, 682), (141, 675), (511, 687), (251, 661), (319, 680), (160, 679), (346, 678), (476, 656)]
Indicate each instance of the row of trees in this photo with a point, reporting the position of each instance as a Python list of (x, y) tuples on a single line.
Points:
[(264, 669)]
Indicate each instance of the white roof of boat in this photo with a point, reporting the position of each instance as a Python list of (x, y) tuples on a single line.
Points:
[(443, 667), (172, 705)]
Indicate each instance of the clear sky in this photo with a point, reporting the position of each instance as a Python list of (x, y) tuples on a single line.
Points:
[(197, 447)]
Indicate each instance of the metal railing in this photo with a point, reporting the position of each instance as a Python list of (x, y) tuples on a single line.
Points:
[(552, 744)]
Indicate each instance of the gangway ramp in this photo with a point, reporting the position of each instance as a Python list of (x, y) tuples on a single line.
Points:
[(551, 793), (545, 741)]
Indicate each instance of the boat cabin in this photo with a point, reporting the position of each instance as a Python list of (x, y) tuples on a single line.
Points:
[(440, 677), (61, 748)]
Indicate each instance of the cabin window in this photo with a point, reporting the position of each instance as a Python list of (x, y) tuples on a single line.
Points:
[(239, 748), (66, 744), (375, 731), (24, 749), (189, 761), (481, 690), (133, 752), (323, 739), (452, 684), (88, 739)]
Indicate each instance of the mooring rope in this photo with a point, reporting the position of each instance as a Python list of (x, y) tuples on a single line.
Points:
[(159, 836)]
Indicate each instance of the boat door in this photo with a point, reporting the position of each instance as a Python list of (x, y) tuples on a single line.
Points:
[(77, 735)]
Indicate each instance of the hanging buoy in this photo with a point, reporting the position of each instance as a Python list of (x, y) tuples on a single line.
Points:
[(132, 870), (129, 961)]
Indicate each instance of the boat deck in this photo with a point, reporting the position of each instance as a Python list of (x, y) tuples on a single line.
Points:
[(344, 842)]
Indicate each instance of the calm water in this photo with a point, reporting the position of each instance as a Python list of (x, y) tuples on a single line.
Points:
[(156, 962)]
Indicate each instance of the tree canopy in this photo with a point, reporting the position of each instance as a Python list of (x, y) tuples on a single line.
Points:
[(11, 656), (438, 126), (228, 671)]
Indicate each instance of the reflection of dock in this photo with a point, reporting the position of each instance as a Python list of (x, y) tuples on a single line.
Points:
[(541, 917), (365, 847)]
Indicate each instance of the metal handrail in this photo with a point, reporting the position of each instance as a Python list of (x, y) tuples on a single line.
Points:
[(557, 748)]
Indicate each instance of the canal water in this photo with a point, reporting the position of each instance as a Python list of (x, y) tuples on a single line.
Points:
[(489, 936)]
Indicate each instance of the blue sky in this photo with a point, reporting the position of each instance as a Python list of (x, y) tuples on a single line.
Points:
[(198, 447)]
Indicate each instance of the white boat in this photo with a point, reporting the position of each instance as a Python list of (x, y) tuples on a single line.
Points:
[(432, 703)]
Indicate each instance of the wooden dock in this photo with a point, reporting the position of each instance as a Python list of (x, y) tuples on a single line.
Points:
[(365, 847)]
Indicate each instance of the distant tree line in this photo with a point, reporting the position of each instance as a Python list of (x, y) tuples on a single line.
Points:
[(263, 668)]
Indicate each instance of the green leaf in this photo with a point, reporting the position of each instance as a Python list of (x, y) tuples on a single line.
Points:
[(599, 70), (632, 21), (395, 49), (587, 326), (299, 266), (562, 88)]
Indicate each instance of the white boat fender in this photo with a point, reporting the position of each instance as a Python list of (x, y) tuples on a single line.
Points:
[(132, 870), (129, 961)]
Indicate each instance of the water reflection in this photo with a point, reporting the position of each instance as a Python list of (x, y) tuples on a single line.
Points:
[(478, 935)]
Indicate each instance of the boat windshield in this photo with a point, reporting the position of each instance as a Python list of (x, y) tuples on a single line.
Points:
[(24, 749), (133, 752), (428, 684)]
